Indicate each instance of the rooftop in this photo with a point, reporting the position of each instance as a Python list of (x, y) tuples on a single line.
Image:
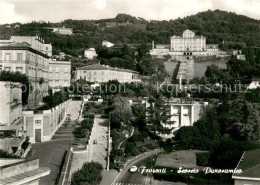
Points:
[(22, 46), (104, 67), (249, 164)]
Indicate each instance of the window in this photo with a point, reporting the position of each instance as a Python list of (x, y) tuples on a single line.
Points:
[(19, 56), (7, 68), (19, 69), (38, 122), (8, 56), (46, 48)]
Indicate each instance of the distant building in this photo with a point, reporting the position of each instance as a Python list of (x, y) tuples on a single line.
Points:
[(241, 57), (249, 166), (212, 47), (101, 73), (25, 54), (59, 74), (188, 43), (22, 172), (90, 53), (107, 44), (254, 84), (63, 30)]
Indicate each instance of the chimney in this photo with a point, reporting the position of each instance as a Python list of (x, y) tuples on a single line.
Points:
[(152, 45)]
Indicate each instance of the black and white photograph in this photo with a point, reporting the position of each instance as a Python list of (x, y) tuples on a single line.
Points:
[(129, 92)]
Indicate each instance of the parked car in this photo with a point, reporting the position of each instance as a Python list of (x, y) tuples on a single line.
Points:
[(133, 169)]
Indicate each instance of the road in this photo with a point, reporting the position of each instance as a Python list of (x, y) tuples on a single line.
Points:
[(132, 133), (50, 154), (125, 177)]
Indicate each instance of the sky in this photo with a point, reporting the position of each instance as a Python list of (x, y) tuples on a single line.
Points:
[(24, 11)]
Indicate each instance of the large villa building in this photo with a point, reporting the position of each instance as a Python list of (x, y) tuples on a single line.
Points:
[(188, 43), (103, 73), (185, 45)]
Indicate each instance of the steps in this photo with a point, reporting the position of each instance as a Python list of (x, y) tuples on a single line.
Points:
[(66, 130)]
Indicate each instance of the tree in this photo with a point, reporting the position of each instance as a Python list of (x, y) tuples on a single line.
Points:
[(153, 68), (130, 149), (188, 136), (89, 174), (208, 125), (122, 112)]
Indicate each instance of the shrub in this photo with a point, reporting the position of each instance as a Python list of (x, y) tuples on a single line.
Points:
[(90, 173), (4, 154), (202, 159)]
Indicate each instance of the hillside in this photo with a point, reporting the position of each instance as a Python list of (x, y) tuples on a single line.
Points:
[(235, 30)]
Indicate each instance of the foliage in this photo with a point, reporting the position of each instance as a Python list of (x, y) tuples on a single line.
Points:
[(152, 67), (85, 128), (121, 114), (55, 99), (208, 125), (202, 158), (17, 77), (188, 136), (4, 154), (130, 149), (89, 174), (253, 96)]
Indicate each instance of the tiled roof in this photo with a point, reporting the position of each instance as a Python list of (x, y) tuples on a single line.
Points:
[(249, 164), (104, 67)]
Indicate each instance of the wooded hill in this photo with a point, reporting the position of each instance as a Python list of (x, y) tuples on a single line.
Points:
[(235, 30)]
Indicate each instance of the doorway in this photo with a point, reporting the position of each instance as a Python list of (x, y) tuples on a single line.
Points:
[(37, 135)]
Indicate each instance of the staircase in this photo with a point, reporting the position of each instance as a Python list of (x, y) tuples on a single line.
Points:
[(66, 130)]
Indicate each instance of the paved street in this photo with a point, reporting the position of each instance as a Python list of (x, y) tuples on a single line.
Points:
[(50, 154), (125, 177), (98, 151)]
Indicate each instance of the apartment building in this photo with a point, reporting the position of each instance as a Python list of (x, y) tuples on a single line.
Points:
[(59, 74), (25, 55), (103, 73)]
